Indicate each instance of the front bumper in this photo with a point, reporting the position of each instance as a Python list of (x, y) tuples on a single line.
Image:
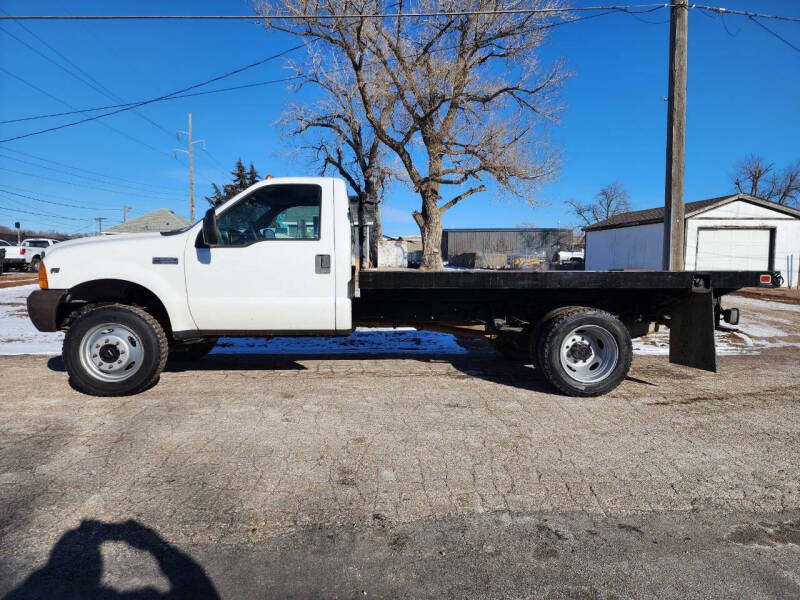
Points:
[(43, 308)]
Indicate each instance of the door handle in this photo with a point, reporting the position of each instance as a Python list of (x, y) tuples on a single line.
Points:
[(322, 263)]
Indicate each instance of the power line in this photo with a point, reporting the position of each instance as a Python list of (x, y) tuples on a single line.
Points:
[(191, 87), (60, 101), (44, 223), (295, 77), (39, 193), (395, 15), (66, 166), (351, 15), (94, 208), (87, 79), (217, 163), (47, 215), (83, 185), (95, 179), (172, 97), (775, 34), (744, 13), (81, 229)]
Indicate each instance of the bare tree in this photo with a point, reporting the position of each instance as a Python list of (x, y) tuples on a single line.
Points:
[(756, 177), (612, 200), (342, 140), (470, 101)]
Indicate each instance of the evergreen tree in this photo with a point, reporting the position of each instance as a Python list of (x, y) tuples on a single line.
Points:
[(252, 175), (242, 179)]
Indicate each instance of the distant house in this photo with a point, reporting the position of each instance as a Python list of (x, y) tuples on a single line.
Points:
[(158, 220), (736, 232)]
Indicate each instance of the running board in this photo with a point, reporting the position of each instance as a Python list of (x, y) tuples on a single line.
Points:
[(691, 332)]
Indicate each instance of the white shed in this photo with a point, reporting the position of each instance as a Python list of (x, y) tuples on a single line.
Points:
[(738, 232)]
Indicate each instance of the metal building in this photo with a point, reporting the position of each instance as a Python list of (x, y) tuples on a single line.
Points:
[(543, 242)]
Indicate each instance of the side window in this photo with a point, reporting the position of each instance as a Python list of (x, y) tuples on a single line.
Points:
[(275, 212)]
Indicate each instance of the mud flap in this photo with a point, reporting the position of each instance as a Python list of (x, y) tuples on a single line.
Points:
[(691, 332)]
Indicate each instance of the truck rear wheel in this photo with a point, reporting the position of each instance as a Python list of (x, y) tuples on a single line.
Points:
[(114, 350), (585, 352), (34, 266)]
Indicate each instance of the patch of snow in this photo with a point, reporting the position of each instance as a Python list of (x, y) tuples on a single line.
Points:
[(756, 331), (19, 336), (760, 304), (17, 333)]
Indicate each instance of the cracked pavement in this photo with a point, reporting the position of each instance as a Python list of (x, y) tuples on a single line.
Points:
[(460, 476)]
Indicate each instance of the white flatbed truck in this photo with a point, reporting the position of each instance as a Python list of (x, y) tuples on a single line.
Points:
[(277, 260)]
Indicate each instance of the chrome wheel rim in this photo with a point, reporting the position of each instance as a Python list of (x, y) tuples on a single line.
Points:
[(589, 353), (111, 352)]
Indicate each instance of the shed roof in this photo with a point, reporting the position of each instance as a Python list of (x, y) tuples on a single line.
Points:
[(656, 215), (161, 219)]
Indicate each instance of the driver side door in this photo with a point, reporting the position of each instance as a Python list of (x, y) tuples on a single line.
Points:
[(268, 273)]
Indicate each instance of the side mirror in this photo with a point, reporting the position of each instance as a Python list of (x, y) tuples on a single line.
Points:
[(210, 231)]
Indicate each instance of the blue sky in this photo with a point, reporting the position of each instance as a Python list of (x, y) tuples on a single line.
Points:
[(743, 97)]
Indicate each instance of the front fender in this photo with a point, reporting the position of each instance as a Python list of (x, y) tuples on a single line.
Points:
[(137, 259)]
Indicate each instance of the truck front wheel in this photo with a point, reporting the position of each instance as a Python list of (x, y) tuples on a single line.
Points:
[(114, 350), (585, 352)]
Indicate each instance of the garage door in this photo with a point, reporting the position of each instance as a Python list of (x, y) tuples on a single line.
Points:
[(733, 249)]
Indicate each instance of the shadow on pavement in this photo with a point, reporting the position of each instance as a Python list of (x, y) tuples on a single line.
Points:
[(74, 569), (477, 362), (483, 365)]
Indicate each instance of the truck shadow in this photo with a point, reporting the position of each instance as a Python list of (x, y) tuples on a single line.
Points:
[(487, 366), (74, 569)]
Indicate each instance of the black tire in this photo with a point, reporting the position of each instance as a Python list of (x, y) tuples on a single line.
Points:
[(34, 266), (153, 349), (539, 333), (554, 335), (179, 352)]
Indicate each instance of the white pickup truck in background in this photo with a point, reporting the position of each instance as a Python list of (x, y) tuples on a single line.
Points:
[(28, 255)]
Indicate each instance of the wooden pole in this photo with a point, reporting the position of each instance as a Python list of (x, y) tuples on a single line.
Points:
[(674, 220)]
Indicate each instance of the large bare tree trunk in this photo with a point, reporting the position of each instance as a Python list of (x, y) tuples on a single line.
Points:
[(363, 242), (430, 228), (376, 234)]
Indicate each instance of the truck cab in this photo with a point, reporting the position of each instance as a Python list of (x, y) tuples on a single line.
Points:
[(275, 259), (276, 264)]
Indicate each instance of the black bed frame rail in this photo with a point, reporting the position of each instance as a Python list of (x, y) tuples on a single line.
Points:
[(483, 279)]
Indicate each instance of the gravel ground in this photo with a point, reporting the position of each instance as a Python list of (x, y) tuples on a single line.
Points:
[(450, 475)]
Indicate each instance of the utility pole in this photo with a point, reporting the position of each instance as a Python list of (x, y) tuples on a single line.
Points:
[(125, 210), (99, 224), (674, 221), (190, 152)]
